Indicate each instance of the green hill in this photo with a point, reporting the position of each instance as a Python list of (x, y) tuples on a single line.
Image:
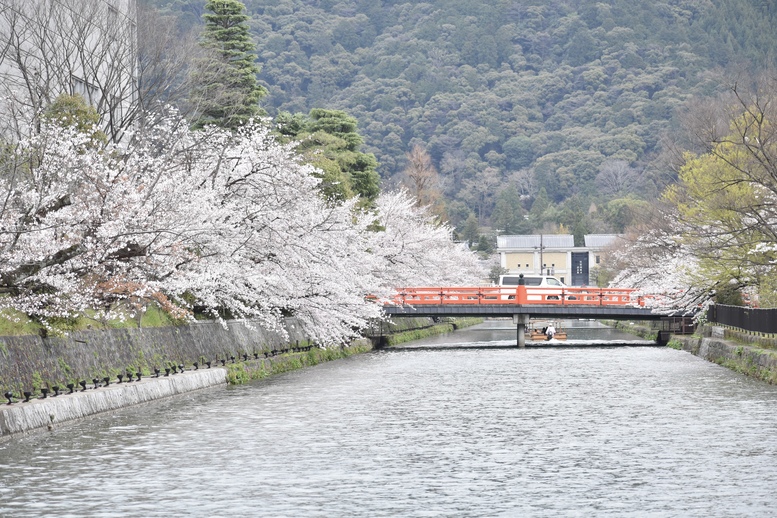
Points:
[(566, 96)]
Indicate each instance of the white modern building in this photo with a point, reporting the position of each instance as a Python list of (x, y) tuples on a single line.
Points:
[(554, 254), (54, 47)]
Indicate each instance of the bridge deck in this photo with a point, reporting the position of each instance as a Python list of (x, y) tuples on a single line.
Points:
[(539, 311), (501, 301)]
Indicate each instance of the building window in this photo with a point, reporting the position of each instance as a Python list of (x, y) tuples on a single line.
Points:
[(597, 259), (88, 91)]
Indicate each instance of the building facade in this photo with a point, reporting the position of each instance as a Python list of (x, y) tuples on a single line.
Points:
[(554, 254), (54, 47)]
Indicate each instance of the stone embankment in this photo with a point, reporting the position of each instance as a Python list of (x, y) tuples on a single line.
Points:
[(45, 413), (32, 362), (41, 413), (238, 353), (746, 353)]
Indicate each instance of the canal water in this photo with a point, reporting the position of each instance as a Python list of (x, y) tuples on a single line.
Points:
[(458, 425)]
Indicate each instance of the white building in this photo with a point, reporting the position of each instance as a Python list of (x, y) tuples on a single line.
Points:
[(54, 47), (554, 254)]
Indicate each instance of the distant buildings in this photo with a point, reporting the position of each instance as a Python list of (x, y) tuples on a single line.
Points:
[(554, 254), (54, 47)]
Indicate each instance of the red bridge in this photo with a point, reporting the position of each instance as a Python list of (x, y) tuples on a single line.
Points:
[(522, 303), (519, 295)]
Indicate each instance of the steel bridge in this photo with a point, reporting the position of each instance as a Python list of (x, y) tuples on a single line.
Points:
[(523, 303)]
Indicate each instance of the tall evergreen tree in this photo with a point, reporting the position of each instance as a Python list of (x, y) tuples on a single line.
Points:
[(330, 141), (539, 206), (227, 93), (508, 216), (471, 232)]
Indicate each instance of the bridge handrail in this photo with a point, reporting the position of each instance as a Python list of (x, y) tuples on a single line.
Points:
[(519, 295)]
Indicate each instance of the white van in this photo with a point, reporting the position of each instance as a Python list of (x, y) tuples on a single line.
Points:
[(552, 287), (542, 281)]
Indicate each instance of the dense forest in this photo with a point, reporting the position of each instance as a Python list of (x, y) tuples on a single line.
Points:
[(535, 113)]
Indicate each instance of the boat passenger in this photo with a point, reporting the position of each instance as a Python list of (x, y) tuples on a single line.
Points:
[(550, 331)]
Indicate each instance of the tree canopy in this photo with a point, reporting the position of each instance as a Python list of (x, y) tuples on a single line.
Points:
[(721, 215), (211, 220), (329, 140), (226, 91)]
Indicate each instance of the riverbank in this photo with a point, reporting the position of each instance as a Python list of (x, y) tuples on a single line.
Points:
[(403, 330), (751, 354), (47, 413), (740, 352), (237, 354)]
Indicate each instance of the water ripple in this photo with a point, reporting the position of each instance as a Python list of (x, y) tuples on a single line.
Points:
[(503, 432)]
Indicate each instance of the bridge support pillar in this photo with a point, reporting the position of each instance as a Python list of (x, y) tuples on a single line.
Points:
[(521, 321)]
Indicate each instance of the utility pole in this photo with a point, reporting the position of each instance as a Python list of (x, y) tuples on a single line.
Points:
[(542, 262)]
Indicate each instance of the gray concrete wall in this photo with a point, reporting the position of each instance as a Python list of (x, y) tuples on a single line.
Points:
[(34, 361), (748, 358), (27, 361), (50, 412)]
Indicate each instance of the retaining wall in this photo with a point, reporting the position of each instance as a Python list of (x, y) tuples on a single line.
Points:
[(46, 413), (32, 362), (28, 362), (750, 359)]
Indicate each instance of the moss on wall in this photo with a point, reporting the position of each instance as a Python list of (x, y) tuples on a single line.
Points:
[(747, 358), (31, 361), (243, 372)]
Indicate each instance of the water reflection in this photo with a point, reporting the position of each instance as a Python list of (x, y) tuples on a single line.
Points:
[(628, 431)]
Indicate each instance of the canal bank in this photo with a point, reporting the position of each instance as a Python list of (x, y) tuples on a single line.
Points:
[(87, 373), (749, 354), (100, 396), (402, 330)]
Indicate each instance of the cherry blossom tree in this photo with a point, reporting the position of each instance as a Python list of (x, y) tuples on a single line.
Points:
[(416, 249), (663, 271), (214, 221), (80, 224)]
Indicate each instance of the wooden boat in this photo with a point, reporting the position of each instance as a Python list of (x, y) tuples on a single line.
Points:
[(539, 336)]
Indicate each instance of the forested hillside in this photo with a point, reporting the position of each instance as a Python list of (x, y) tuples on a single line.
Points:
[(536, 107)]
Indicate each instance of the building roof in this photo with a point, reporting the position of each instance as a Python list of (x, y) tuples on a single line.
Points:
[(554, 241), (533, 241), (600, 240)]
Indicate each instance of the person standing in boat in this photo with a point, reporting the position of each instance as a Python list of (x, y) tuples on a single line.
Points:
[(550, 331)]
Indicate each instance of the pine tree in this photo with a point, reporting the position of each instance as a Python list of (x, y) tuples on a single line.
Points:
[(227, 92), (471, 232), (329, 140)]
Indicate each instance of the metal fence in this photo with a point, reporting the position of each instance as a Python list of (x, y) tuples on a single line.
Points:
[(749, 319)]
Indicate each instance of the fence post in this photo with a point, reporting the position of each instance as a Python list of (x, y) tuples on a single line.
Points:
[(712, 313), (520, 291)]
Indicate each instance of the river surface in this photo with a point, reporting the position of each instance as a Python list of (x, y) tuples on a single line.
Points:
[(458, 425)]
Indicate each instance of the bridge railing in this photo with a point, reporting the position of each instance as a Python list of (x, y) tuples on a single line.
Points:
[(521, 295)]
